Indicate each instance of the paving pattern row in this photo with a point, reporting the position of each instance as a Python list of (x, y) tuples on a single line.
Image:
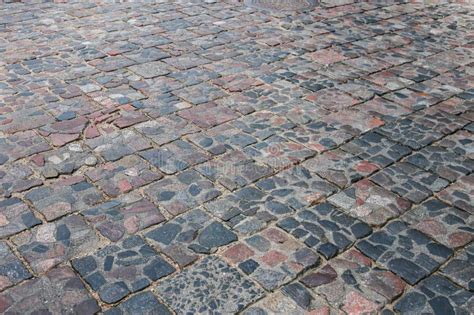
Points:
[(181, 157)]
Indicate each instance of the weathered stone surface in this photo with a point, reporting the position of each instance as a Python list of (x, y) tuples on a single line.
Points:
[(58, 291), (122, 176), (296, 187), (447, 225), (353, 283), (186, 236), (188, 290), (175, 156), (460, 193), (12, 270), (181, 192), (165, 129), (341, 168), (20, 145), (409, 181), (50, 244), (66, 196), (461, 268), (117, 270), (405, 251), (271, 257), (141, 303), (370, 203), (17, 178), (234, 170), (123, 217), (325, 229), (15, 216), (436, 295)]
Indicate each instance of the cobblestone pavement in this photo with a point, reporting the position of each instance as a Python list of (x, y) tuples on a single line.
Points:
[(202, 156)]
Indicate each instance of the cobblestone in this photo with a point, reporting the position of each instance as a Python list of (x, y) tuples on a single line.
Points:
[(207, 156)]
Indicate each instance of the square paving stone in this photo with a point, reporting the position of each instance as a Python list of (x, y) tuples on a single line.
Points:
[(17, 178), (353, 283), (447, 225), (160, 104), (208, 286), (271, 257), (122, 176), (409, 181), (208, 115), (123, 217), (175, 156), (63, 197), (435, 295), (353, 120), (125, 267), (376, 148), (186, 61), (234, 170), (318, 136), (370, 203), (341, 168), (247, 210), (299, 111), (112, 63), (332, 99), (440, 121), (53, 243), (324, 228), (278, 153), (194, 76), (15, 216), (386, 110), (117, 144), (186, 236), (140, 304), (65, 160), (367, 64), (166, 129), (405, 251), (461, 142), (150, 70), (182, 192), (410, 133), (20, 145), (460, 194), (200, 93), (263, 124), (296, 187), (461, 268), (413, 72), (362, 89), (221, 139), (59, 291), (291, 299), (389, 80), (413, 100), (24, 119), (443, 162), (12, 270)]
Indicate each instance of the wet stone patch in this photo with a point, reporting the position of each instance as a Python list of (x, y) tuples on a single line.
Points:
[(189, 292), (117, 270), (271, 257)]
